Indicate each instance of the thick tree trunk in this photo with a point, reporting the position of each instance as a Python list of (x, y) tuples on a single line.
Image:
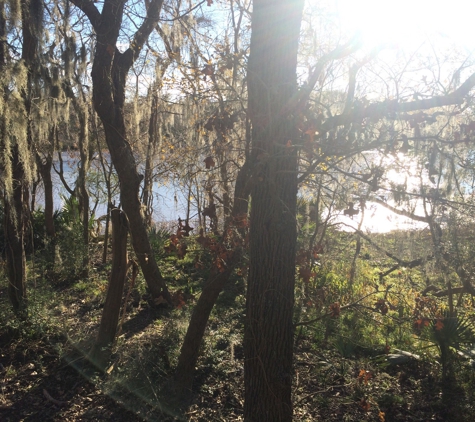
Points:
[(17, 213), (13, 208), (15, 238), (100, 352), (268, 338)]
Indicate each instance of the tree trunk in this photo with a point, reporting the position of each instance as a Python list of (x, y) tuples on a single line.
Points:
[(17, 213), (109, 75), (44, 166), (101, 350), (129, 180), (107, 173), (211, 290), (189, 352), (268, 337), (153, 134), (13, 206), (81, 188), (45, 171), (14, 223)]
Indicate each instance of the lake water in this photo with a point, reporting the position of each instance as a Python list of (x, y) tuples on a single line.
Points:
[(169, 202)]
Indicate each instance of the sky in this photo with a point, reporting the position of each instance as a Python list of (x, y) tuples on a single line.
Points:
[(408, 22)]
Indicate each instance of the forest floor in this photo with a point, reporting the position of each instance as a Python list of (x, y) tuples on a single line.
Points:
[(44, 375)]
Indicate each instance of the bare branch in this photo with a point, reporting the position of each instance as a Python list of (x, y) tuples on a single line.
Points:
[(148, 25), (402, 213), (381, 109), (299, 101), (90, 10)]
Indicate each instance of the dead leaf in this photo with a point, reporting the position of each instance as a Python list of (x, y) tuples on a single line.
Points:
[(209, 161), (335, 310), (364, 405)]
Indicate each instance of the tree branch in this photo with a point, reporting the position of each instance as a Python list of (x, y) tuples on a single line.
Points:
[(90, 10), (299, 101), (380, 109), (148, 25), (402, 213)]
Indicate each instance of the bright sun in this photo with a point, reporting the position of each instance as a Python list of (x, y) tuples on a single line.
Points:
[(409, 22)]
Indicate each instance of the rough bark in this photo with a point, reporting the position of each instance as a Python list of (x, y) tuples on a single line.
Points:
[(16, 205), (109, 73), (15, 238), (100, 352), (268, 337)]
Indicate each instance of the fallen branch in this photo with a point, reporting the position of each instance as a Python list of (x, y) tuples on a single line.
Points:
[(52, 400)]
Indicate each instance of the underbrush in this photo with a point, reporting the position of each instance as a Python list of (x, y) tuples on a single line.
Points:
[(370, 348)]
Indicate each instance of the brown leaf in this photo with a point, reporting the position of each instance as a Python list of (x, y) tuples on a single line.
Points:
[(174, 238), (439, 325), (305, 273), (178, 299), (364, 405), (181, 251), (364, 376), (241, 221), (335, 310), (209, 161), (208, 70)]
